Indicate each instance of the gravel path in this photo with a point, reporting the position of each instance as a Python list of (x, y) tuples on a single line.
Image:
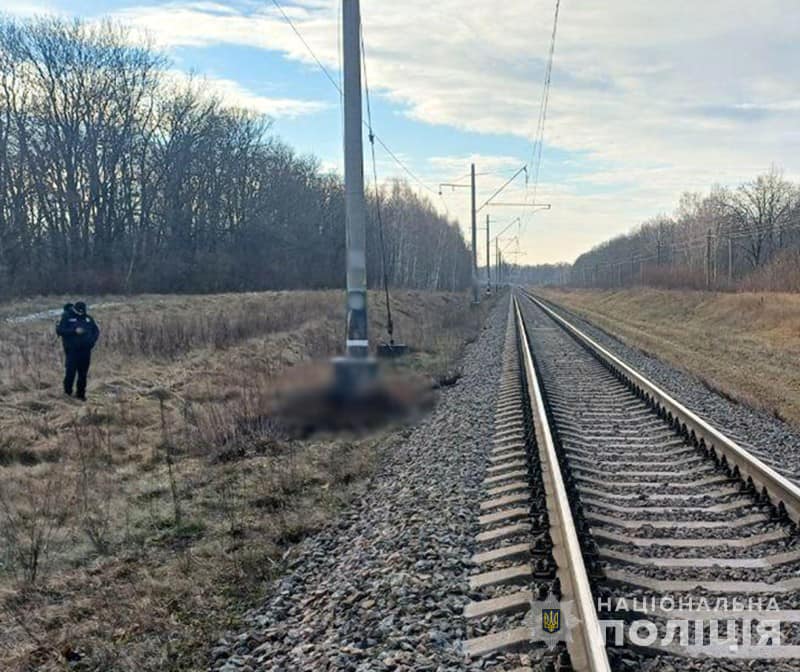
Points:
[(384, 589), (771, 439), (52, 313)]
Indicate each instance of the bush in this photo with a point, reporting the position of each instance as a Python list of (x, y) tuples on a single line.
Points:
[(782, 274)]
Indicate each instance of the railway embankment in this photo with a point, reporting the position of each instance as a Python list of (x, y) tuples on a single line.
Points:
[(745, 346)]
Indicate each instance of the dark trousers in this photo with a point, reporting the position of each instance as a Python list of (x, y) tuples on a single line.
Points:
[(78, 362)]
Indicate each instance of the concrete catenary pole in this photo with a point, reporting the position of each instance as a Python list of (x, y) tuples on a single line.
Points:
[(497, 278), (355, 217), (488, 253), (475, 294)]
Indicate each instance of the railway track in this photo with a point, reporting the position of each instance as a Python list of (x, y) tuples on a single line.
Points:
[(642, 525)]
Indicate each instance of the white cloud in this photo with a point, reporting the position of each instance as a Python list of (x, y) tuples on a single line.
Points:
[(19, 9), (233, 94), (204, 24), (660, 97), (452, 167), (772, 106)]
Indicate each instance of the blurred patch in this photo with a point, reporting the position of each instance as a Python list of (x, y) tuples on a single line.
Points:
[(308, 400)]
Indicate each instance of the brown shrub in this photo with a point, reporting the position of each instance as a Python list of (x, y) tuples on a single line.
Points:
[(782, 274), (33, 514), (673, 277), (175, 472)]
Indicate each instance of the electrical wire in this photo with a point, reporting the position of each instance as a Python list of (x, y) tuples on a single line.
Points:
[(536, 158), (501, 189), (340, 55), (698, 244), (536, 154), (510, 224), (339, 88), (384, 269), (466, 175), (405, 168), (307, 46)]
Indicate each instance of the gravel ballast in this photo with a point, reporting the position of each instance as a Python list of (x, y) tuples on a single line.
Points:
[(601, 422), (384, 588), (768, 437)]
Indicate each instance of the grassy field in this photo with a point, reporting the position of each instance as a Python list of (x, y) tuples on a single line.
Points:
[(135, 528), (745, 345)]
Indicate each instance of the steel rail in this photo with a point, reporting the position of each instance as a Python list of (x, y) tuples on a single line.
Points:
[(587, 649), (781, 492)]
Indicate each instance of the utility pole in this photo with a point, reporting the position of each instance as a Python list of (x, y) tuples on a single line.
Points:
[(730, 260), (475, 294), (488, 264), (497, 278), (355, 217), (708, 259), (474, 210), (658, 247)]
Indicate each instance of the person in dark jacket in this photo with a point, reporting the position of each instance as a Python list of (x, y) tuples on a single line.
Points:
[(66, 313), (79, 333)]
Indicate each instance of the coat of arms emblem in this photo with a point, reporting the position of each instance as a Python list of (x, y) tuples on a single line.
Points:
[(551, 620)]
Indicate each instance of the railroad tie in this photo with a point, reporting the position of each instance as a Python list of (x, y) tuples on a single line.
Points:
[(504, 541)]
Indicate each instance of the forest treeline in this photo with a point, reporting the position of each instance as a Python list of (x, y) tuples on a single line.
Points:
[(746, 237), (115, 177)]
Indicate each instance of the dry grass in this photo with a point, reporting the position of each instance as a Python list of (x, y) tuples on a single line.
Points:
[(745, 345), (782, 274), (136, 528)]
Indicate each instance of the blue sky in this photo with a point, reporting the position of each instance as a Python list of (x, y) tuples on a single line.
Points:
[(648, 99)]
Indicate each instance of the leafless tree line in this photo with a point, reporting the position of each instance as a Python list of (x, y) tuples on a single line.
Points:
[(541, 274), (742, 237), (115, 177)]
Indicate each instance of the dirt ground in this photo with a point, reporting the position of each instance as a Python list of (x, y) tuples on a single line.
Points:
[(746, 345), (136, 528)]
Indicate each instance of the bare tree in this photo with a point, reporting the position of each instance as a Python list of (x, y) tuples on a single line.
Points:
[(115, 178), (733, 230), (761, 210)]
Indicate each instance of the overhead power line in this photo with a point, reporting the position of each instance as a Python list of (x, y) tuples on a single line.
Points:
[(501, 189), (510, 224), (308, 47), (338, 87), (384, 263), (536, 155), (687, 246), (405, 168)]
